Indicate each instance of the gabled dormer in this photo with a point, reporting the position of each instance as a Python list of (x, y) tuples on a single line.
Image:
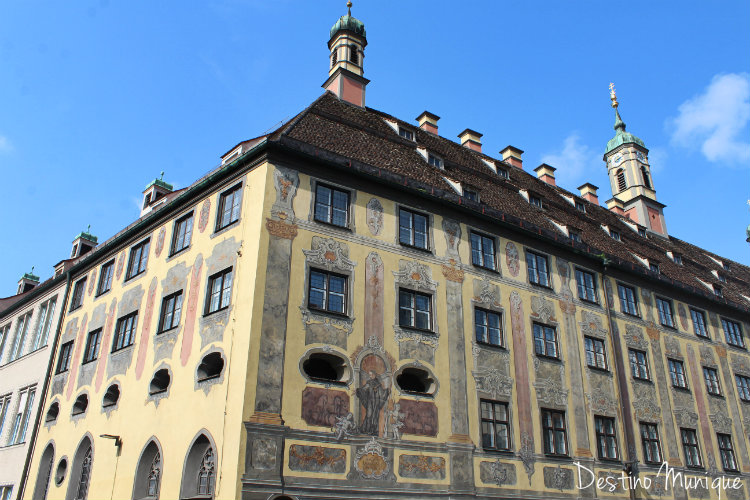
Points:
[(27, 282), (83, 243), (154, 194)]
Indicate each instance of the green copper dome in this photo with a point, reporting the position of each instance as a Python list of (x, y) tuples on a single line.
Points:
[(622, 137), (349, 23)]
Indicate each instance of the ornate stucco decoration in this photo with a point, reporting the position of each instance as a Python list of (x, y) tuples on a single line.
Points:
[(453, 273), (601, 402), (559, 478), (330, 254), (543, 309), (591, 325), (371, 462), (685, 417), (330, 323), (491, 381), (634, 337), (721, 422), (707, 356), (415, 275), (550, 393), (499, 473), (452, 232), (488, 294), (429, 339), (476, 349), (512, 259), (281, 230), (672, 346), (374, 216), (285, 181), (526, 454)]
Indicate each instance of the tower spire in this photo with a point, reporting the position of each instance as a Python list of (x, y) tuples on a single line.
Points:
[(619, 124), (347, 45)]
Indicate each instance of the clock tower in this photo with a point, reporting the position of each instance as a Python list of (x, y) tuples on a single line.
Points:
[(634, 195)]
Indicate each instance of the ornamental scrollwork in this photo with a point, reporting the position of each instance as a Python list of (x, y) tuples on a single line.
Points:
[(415, 275), (329, 253)]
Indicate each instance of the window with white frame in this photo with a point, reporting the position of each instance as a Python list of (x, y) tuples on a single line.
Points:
[(638, 364), (595, 355), (711, 377), (219, 291), (125, 331), (537, 269), (182, 234), (677, 373), (105, 277), (699, 322), (44, 324), (4, 404), (545, 341), (229, 207), (412, 229), (666, 317), (22, 329), (138, 259), (78, 291), (331, 205), (483, 251), (586, 285), (628, 299), (732, 332), (22, 417), (414, 310)]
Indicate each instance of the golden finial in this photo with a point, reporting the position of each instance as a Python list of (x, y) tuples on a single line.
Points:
[(613, 95), (349, 5)]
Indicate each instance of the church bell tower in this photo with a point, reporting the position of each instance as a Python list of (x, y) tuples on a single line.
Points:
[(347, 46), (633, 191)]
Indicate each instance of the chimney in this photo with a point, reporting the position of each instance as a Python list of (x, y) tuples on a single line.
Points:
[(83, 243), (616, 206), (155, 191), (471, 139), (512, 156), (546, 173), (27, 282), (588, 193), (428, 122)]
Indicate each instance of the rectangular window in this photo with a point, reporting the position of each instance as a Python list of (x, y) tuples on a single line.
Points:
[(487, 327), (76, 300), (628, 299), (44, 324), (665, 312), (436, 161), (639, 364), (575, 236), (722, 278), (63, 360), (327, 292), (503, 173), (677, 373), (535, 200), (595, 356), (4, 334), (4, 403), (5, 492), (727, 452), (495, 425), (105, 277), (21, 421), (22, 329), (732, 332), (743, 387), (405, 133), (678, 259), (580, 206), (537, 269), (182, 234), (545, 341), (93, 341), (712, 381), (614, 234), (171, 309), (483, 251), (651, 445), (471, 194), (642, 232), (414, 310), (606, 440), (331, 205), (229, 207), (138, 259), (586, 285), (690, 447), (654, 267), (555, 436), (412, 229), (125, 331), (219, 291), (699, 322)]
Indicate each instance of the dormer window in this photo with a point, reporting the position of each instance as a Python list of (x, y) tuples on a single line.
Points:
[(535, 200), (503, 173), (471, 194), (353, 54), (575, 235), (642, 231), (725, 265), (614, 234), (654, 267), (405, 133), (435, 161), (722, 278), (580, 206), (678, 259), (717, 291)]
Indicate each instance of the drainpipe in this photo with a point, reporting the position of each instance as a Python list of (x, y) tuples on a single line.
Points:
[(630, 466), (43, 399)]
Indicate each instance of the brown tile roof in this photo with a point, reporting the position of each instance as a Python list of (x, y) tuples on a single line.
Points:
[(362, 135)]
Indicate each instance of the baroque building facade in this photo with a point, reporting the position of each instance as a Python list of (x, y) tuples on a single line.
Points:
[(353, 306)]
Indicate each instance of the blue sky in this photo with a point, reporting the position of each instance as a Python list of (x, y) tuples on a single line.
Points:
[(97, 98)]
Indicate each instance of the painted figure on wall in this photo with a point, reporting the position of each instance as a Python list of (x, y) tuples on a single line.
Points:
[(372, 396), (394, 421)]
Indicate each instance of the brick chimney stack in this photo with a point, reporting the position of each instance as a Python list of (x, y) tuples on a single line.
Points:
[(512, 156), (471, 139), (428, 122), (546, 173), (588, 193)]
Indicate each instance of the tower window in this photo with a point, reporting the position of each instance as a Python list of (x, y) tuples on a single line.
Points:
[(353, 54), (646, 180), (334, 57), (621, 184)]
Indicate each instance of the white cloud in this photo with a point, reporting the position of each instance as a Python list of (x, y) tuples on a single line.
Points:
[(657, 159), (575, 162), (715, 121), (5, 144)]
